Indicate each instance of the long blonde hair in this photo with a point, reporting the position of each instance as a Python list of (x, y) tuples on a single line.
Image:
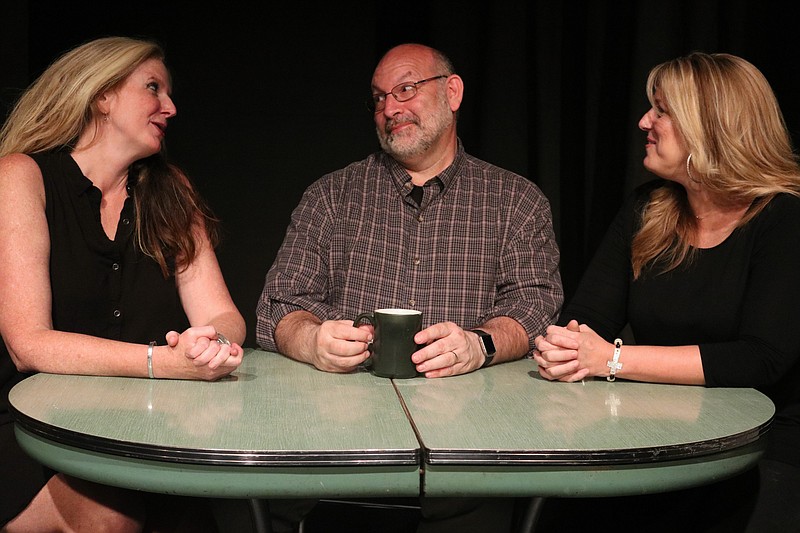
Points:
[(61, 104), (729, 119)]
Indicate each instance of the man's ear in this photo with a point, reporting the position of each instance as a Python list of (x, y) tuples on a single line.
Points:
[(455, 91)]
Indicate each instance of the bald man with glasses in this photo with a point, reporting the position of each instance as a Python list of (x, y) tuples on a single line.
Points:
[(423, 225)]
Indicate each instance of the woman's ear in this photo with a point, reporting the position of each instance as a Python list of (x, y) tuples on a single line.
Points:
[(103, 102)]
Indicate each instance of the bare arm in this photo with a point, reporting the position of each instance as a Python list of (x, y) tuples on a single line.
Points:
[(205, 296), (510, 339), (295, 335), (571, 353), (210, 308), (26, 307), (332, 346), (451, 350)]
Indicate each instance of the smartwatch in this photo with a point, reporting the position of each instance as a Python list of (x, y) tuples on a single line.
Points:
[(487, 345)]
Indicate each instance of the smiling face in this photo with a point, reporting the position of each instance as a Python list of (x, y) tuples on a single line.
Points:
[(410, 129), (138, 109), (666, 153)]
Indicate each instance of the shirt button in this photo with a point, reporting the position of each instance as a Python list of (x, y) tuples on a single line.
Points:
[(412, 302), (417, 261), (126, 221), (419, 218), (115, 266), (117, 313)]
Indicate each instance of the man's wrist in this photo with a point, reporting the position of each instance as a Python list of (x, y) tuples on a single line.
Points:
[(486, 344)]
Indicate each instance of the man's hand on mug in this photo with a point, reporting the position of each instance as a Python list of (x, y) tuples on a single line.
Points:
[(448, 351), (340, 347)]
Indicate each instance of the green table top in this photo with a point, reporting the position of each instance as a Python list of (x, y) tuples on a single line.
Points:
[(302, 426), (481, 430), (284, 429)]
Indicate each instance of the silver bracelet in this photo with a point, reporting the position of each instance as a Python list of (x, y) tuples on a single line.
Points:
[(614, 363), (150, 359)]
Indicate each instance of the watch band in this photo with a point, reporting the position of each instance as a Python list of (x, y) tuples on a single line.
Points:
[(487, 345)]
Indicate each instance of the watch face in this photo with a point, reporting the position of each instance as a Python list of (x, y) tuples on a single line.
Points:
[(486, 341), (488, 344)]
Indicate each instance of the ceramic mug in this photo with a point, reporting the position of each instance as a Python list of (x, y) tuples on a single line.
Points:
[(393, 341)]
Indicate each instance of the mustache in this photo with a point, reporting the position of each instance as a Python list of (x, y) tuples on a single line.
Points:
[(392, 123)]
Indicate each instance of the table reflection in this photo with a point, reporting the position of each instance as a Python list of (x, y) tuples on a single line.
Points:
[(527, 412)]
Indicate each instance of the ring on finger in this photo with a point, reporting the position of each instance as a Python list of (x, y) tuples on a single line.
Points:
[(222, 339), (454, 355)]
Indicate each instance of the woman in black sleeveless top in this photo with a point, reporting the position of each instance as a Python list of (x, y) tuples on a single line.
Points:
[(107, 263)]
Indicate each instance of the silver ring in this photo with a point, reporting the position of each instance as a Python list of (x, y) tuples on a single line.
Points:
[(454, 355), (222, 339)]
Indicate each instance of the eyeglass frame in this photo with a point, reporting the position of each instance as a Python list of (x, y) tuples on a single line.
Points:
[(372, 105)]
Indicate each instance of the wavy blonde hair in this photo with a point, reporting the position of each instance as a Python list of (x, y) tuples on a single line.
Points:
[(725, 112), (62, 103)]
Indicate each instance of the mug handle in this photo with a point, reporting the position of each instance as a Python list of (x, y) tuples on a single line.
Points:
[(364, 317)]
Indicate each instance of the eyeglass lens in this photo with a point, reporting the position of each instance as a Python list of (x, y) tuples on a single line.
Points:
[(402, 93)]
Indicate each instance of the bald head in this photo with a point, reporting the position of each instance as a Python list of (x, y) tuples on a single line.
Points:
[(417, 57)]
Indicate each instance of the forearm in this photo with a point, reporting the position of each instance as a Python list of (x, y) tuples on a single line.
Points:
[(659, 364), (231, 324), (295, 335), (509, 337), (60, 352)]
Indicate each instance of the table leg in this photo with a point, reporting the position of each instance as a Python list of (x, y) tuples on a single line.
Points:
[(259, 511), (531, 515)]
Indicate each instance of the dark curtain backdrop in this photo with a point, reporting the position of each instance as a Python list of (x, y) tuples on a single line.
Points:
[(270, 94)]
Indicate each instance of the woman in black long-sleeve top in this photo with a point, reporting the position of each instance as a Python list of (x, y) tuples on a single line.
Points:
[(704, 265)]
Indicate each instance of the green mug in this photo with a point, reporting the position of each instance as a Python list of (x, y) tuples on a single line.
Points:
[(393, 341)]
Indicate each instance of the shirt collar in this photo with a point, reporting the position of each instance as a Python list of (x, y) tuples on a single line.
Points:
[(445, 179), (76, 181)]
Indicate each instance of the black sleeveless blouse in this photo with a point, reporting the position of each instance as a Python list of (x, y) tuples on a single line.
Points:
[(100, 287)]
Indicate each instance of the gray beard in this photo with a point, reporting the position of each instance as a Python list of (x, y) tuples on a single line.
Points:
[(429, 130)]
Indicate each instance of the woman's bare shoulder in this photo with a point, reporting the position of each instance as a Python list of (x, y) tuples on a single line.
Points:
[(20, 181), (19, 165), (19, 168)]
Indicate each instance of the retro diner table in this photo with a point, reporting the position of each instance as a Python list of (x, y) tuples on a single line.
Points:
[(281, 429)]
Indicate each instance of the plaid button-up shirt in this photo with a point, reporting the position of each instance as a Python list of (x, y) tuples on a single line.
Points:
[(481, 245)]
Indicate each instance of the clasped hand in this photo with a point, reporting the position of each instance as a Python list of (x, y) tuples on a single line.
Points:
[(207, 358), (447, 349), (571, 353)]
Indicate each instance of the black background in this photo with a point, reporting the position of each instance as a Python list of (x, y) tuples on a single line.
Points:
[(270, 95)]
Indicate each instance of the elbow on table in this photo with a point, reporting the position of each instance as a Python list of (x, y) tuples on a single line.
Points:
[(23, 364), (23, 351)]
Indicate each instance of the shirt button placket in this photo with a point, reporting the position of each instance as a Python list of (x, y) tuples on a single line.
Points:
[(115, 287)]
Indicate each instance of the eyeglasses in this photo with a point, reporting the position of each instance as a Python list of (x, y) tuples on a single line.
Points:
[(402, 93)]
